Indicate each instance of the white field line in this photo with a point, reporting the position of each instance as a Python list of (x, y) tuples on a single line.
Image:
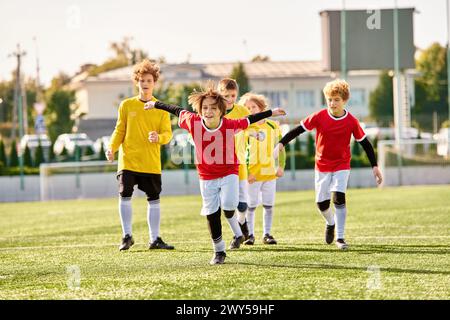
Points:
[(102, 245)]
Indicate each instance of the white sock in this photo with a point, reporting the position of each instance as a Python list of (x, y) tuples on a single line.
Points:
[(234, 224), (328, 216), (341, 214), (219, 245), (126, 213), (153, 219), (251, 220), (241, 216), (268, 216)]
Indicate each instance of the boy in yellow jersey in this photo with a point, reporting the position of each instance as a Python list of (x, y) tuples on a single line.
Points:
[(263, 171), (229, 89), (138, 137)]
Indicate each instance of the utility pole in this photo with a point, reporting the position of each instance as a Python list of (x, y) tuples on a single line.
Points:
[(18, 54), (448, 58), (343, 43), (397, 96)]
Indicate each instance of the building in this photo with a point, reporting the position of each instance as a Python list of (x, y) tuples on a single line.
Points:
[(294, 85)]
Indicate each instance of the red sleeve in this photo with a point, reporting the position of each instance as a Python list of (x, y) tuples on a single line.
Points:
[(358, 132), (310, 122), (185, 120), (237, 124)]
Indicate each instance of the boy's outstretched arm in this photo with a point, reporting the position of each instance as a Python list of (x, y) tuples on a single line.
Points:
[(265, 114), (367, 146), (173, 109), (291, 135)]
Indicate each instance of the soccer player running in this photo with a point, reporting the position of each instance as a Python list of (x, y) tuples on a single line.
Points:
[(216, 159), (334, 128), (263, 171), (138, 137), (230, 90)]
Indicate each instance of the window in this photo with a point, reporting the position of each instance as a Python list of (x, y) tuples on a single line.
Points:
[(276, 98), (357, 98), (305, 98)]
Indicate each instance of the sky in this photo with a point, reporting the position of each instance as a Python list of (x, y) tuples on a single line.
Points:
[(69, 33)]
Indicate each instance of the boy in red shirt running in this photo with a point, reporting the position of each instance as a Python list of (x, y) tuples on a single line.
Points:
[(216, 160), (334, 128)]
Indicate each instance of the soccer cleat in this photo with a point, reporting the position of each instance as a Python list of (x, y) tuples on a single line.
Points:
[(341, 244), (160, 244), (236, 242), (244, 229), (219, 258), (250, 241), (127, 242), (268, 239), (329, 234)]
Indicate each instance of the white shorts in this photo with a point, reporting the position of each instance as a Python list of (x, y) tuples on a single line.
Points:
[(222, 192), (327, 182), (243, 191), (262, 192)]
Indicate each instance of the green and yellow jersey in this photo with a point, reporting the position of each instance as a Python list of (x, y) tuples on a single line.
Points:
[(130, 136), (240, 141), (261, 163)]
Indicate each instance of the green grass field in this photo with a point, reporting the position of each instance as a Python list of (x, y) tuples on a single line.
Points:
[(399, 249)]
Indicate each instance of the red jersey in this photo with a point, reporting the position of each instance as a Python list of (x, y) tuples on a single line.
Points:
[(333, 139), (215, 155)]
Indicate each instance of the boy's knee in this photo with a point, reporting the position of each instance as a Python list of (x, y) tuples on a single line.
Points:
[(242, 206), (228, 213), (323, 205), (339, 199)]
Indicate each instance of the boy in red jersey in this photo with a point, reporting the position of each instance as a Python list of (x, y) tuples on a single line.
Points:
[(334, 128), (216, 160)]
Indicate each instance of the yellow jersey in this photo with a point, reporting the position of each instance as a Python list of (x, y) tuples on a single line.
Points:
[(130, 136), (240, 142), (261, 163)]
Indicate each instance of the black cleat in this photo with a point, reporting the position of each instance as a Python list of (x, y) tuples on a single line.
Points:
[(244, 229), (160, 244), (219, 258), (268, 239), (127, 242), (329, 234), (341, 244), (250, 241), (236, 242)]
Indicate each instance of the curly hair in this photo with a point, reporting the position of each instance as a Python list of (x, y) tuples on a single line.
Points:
[(196, 98), (258, 99), (337, 87), (146, 66)]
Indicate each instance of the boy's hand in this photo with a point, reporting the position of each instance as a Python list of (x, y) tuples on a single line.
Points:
[(251, 179), (109, 155), (280, 172), (153, 137), (276, 152), (377, 174), (278, 112), (149, 105)]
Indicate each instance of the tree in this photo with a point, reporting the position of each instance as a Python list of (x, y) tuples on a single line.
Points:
[(27, 161), (238, 73), (102, 155), (3, 160), (38, 155), (311, 149), (431, 87), (381, 105), (13, 157), (58, 111)]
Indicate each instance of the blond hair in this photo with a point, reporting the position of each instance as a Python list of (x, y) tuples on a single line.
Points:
[(227, 84), (258, 99), (146, 66), (337, 87), (196, 99)]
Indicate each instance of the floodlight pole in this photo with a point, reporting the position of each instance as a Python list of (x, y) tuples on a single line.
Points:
[(397, 96), (343, 43), (448, 59)]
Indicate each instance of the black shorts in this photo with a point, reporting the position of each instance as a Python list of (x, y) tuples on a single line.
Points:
[(150, 183)]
